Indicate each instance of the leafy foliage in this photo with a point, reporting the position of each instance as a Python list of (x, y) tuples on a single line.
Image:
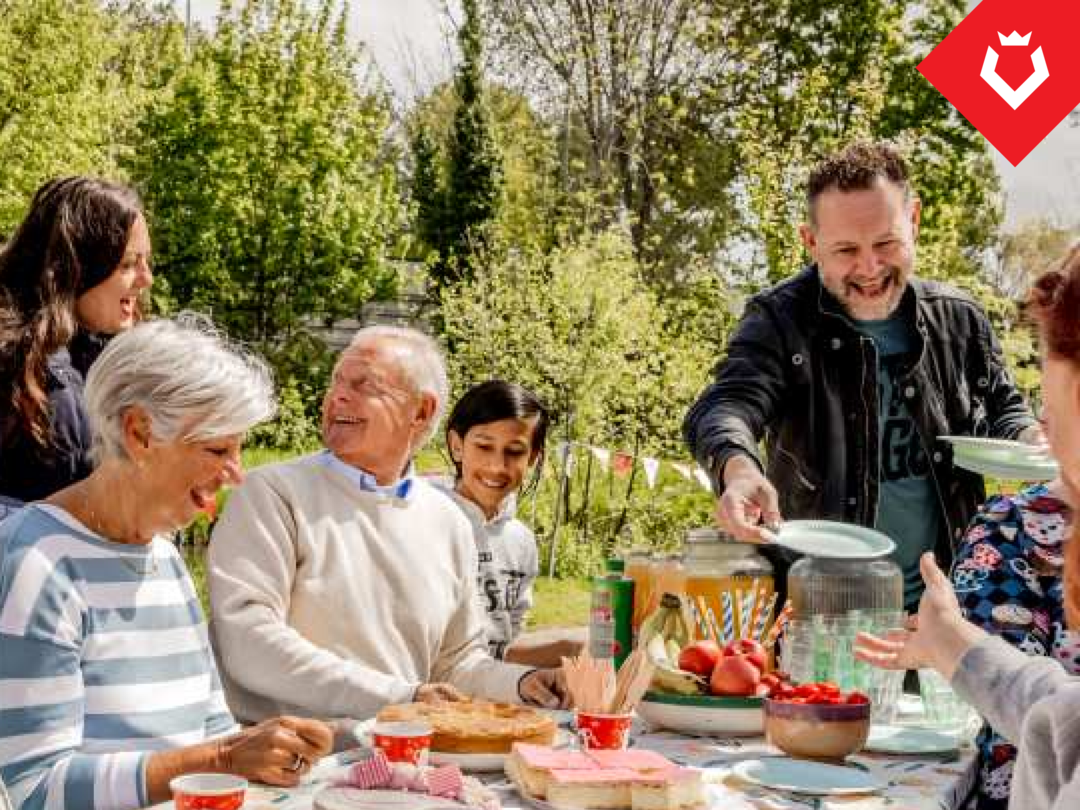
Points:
[(74, 78), (267, 174), (457, 216)]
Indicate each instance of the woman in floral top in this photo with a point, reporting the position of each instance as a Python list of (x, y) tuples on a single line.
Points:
[(1007, 577)]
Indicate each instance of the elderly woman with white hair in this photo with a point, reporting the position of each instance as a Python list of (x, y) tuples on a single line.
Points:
[(340, 582), (108, 687)]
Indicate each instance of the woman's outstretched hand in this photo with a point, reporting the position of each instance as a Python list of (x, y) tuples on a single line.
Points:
[(937, 638)]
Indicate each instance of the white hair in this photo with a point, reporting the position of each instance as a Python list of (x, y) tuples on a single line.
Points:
[(422, 364), (192, 381)]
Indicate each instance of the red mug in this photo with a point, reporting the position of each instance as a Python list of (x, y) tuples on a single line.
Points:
[(604, 731), (208, 791), (403, 742)]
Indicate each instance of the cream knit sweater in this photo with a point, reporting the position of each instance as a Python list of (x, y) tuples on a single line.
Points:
[(330, 601)]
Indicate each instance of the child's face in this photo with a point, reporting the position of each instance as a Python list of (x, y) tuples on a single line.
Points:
[(494, 459)]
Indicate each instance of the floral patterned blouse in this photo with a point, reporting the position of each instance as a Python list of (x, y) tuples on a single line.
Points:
[(1007, 576)]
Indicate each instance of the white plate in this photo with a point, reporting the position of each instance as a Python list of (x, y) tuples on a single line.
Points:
[(1003, 449), (832, 539), (348, 798), (804, 776), (910, 740), (1034, 470)]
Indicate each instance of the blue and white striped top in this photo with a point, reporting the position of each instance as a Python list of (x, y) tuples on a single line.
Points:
[(104, 657)]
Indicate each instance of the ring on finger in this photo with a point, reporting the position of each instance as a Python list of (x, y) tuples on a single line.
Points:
[(297, 763)]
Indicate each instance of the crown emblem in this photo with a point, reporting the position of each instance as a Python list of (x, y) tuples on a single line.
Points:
[(1014, 39)]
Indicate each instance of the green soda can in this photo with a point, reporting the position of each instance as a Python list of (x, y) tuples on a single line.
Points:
[(610, 613)]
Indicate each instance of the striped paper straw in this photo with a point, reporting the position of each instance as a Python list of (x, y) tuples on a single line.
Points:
[(781, 620), (729, 618), (763, 618), (720, 639), (698, 619), (755, 613), (746, 621), (698, 605)]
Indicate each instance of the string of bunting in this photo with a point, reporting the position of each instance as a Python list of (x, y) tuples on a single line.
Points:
[(621, 463)]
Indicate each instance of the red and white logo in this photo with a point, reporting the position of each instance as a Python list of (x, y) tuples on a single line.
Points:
[(1008, 68)]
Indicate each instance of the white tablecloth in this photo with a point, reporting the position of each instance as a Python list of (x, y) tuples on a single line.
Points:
[(924, 783)]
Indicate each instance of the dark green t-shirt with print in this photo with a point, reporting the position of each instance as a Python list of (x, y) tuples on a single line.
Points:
[(908, 508)]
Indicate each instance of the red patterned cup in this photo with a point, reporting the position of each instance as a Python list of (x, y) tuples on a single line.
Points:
[(208, 791), (604, 731), (403, 742)]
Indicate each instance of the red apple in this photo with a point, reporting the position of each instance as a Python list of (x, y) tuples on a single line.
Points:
[(735, 675), (700, 658), (751, 649)]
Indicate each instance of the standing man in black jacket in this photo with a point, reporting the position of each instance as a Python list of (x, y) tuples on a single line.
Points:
[(851, 370)]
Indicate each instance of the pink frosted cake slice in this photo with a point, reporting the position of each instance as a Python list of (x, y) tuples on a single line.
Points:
[(668, 790), (634, 759), (601, 789), (530, 766)]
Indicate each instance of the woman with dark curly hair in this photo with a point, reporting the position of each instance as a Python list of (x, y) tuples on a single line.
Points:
[(1032, 701), (70, 278)]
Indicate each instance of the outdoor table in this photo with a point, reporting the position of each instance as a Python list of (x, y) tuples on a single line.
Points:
[(914, 783)]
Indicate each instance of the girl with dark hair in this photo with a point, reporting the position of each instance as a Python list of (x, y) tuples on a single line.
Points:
[(70, 278), (495, 434)]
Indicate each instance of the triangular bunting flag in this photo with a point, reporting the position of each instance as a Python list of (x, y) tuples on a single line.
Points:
[(622, 463), (682, 469), (602, 456), (702, 478), (652, 467)]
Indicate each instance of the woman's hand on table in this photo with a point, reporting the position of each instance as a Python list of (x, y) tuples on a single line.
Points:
[(545, 688), (277, 751), (937, 638)]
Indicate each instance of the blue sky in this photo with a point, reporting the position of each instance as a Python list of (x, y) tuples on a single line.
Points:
[(409, 41)]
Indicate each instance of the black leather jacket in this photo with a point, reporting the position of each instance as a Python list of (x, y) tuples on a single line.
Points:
[(798, 373)]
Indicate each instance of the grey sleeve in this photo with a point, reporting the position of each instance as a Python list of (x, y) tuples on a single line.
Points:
[(1003, 683)]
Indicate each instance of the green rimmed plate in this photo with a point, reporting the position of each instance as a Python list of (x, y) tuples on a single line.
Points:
[(703, 714), (1002, 458), (834, 540), (807, 777), (898, 739)]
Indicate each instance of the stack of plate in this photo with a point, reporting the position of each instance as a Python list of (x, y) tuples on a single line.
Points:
[(1001, 458)]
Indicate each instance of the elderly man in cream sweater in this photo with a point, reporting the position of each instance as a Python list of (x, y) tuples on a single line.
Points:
[(339, 582)]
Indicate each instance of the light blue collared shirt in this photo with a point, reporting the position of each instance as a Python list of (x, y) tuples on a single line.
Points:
[(365, 481)]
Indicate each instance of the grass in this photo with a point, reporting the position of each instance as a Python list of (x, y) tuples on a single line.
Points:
[(559, 603)]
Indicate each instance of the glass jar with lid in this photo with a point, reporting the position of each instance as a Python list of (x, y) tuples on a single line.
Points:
[(729, 579), (823, 586)]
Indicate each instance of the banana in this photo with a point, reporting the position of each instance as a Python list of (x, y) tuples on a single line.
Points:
[(667, 678), (673, 650), (657, 652)]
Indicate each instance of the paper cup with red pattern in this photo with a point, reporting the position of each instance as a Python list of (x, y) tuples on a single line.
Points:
[(403, 742), (607, 732), (208, 791)]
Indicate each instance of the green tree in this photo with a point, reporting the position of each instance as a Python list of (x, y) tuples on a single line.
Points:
[(75, 76), (460, 220), (268, 174), (622, 81), (529, 213)]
